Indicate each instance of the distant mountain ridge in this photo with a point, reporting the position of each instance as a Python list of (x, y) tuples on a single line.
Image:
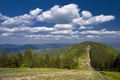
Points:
[(14, 48)]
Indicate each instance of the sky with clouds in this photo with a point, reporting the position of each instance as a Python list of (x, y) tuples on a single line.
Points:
[(59, 21)]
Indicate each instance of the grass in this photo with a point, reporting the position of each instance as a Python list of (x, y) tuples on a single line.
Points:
[(47, 74), (111, 75)]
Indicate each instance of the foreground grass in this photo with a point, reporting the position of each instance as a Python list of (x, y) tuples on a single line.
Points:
[(111, 75), (47, 74)]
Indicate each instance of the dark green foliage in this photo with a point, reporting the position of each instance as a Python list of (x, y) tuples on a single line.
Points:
[(34, 58), (69, 62), (116, 64), (57, 62), (5, 62), (52, 61), (30, 59), (19, 58), (47, 61), (13, 61), (27, 58), (40, 62)]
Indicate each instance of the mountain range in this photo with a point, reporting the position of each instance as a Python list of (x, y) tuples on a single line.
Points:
[(14, 48)]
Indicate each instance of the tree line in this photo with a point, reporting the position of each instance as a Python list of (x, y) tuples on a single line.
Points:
[(30, 59), (105, 59), (102, 58)]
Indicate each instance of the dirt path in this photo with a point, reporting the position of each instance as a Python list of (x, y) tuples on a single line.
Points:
[(89, 59), (89, 62)]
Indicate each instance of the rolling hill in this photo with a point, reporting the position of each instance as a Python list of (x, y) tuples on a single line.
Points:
[(102, 56)]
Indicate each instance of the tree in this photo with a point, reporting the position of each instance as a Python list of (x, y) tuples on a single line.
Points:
[(27, 59), (47, 61), (19, 59), (67, 62), (13, 61), (57, 62), (52, 61), (34, 59), (70, 62), (116, 63), (5, 62)]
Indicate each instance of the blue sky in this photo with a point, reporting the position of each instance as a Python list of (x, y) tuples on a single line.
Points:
[(59, 21)]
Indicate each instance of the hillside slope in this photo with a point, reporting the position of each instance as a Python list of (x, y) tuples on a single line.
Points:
[(103, 57)]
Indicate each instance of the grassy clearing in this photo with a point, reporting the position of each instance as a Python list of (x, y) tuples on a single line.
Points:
[(111, 75), (47, 74)]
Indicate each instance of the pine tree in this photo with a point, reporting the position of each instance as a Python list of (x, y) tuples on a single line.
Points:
[(27, 59), (5, 62), (47, 61), (52, 61), (57, 63), (13, 61), (19, 59), (67, 62), (116, 63), (34, 59)]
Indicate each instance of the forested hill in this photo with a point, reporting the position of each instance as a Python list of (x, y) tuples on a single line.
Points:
[(103, 57)]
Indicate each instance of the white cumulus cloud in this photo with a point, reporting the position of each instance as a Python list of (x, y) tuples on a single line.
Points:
[(82, 27), (100, 32), (93, 20), (86, 14), (35, 11), (63, 26), (65, 32), (27, 29), (3, 17), (92, 36), (60, 14), (18, 20), (6, 34), (104, 18)]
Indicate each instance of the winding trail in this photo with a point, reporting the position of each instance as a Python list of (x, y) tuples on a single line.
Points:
[(89, 62), (89, 59)]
